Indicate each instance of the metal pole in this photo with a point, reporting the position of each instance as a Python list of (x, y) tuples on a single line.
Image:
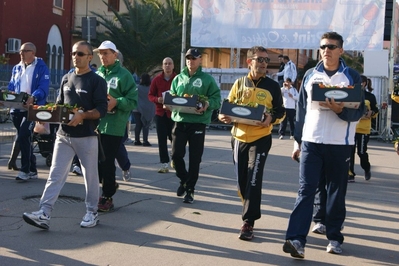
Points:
[(388, 130), (183, 36), (88, 21)]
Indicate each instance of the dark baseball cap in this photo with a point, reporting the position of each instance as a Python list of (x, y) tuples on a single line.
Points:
[(194, 52)]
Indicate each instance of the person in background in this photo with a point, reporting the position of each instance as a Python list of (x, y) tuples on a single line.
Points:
[(289, 70), (280, 78), (163, 121), (122, 99), (190, 128), (251, 143), (88, 91), (290, 97), (30, 76), (324, 135), (362, 136), (144, 114), (93, 67)]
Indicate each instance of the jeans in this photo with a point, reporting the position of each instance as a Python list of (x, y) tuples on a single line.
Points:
[(164, 126), (289, 117), (24, 138)]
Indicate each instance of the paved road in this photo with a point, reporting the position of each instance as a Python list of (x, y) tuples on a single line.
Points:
[(151, 226)]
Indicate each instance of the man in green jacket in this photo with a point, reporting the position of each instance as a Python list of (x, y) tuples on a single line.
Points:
[(122, 99), (191, 127)]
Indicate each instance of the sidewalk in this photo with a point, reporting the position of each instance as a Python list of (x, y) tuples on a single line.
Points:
[(151, 226)]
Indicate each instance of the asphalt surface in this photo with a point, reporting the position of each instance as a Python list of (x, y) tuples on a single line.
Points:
[(152, 226)]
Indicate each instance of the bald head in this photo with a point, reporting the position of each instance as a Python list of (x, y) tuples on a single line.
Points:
[(168, 66)]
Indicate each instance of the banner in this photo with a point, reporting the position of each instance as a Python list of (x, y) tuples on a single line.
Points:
[(290, 24)]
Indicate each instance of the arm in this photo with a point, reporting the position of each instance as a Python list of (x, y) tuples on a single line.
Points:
[(43, 83), (153, 92), (128, 100), (301, 108)]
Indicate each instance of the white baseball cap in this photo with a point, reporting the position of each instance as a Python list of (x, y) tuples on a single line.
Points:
[(106, 45)]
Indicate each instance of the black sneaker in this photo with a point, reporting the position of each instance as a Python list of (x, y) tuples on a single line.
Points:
[(246, 232), (180, 190), (351, 179), (367, 175), (189, 198)]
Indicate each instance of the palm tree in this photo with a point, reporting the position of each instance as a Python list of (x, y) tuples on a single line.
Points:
[(148, 32)]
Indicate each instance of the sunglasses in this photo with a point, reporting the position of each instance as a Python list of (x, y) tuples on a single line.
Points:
[(78, 54), (329, 46), (260, 59), (191, 58)]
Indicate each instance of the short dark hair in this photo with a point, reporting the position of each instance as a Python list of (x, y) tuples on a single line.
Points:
[(87, 44), (332, 35), (253, 50), (288, 79), (145, 79), (286, 57), (281, 56)]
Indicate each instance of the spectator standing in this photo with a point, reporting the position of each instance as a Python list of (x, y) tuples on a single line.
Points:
[(144, 114), (31, 76), (324, 134), (290, 97), (163, 121), (122, 99), (289, 70), (362, 136), (251, 143), (191, 127), (280, 79), (88, 91)]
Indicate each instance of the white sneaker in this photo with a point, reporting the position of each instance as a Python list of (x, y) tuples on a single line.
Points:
[(89, 220), (319, 228), (281, 137), (126, 175), (164, 168), (22, 176), (38, 219), (128, 141), (292, 137), (76, 170), (334, 247), (33, 175)]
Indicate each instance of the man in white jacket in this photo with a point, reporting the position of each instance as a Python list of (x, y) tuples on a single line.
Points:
[(290, 97), (324, 135)]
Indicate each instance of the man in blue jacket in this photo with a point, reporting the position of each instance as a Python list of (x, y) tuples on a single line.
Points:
[(324, 135), (31, 76)]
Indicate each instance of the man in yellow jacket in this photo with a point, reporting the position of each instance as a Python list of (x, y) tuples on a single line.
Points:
[(363, 134)]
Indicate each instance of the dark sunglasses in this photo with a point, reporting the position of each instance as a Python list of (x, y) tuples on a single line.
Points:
[(191, 58), (78, 54), (260, 59), (329, 46)]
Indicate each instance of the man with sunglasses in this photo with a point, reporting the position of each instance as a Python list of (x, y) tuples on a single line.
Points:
[(251, 143), (30, 76), (191, 127), (324, 135), (122, 99), (88, 91)]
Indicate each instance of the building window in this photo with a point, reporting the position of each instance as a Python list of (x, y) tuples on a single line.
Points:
[(114, 4), (59, 3)]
